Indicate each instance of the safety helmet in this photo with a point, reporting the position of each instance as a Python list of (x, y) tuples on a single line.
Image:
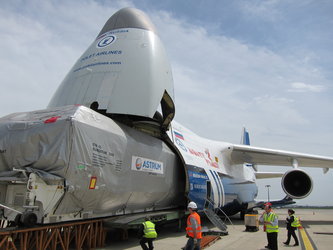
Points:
[(192, 205), (269, 207)]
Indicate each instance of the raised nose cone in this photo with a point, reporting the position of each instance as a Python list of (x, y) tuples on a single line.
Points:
[(125, 71), (128, 18)]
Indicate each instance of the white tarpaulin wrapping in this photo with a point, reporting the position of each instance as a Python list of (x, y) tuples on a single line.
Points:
[(93, 154)]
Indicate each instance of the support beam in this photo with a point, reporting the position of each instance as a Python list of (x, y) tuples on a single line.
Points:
[(295, 163), (85, 234)]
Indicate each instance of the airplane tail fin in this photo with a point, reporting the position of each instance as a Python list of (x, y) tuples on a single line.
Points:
[(245, 139)]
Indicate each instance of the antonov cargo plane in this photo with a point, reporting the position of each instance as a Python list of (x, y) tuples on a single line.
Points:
[(107, 144)]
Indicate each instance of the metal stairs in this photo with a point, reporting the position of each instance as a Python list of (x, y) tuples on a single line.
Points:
[(214, 218)]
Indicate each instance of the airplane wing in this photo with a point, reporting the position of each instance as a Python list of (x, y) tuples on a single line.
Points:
[(265, 156), (264, 175)]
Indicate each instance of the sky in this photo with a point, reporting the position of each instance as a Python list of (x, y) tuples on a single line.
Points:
[(263, 64)]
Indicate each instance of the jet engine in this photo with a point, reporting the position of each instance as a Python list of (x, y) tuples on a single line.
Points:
[(297, 184)]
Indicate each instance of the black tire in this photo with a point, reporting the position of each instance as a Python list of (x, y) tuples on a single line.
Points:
[(29, 219), (17, 221), (242, 214)]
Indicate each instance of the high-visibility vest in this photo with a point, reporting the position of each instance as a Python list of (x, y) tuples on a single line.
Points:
[(149, 230), (295, 223), (189, 228), (270, 228)]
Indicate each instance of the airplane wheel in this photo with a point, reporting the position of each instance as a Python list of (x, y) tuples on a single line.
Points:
[(17, 220), (242, 215), (29, 219)]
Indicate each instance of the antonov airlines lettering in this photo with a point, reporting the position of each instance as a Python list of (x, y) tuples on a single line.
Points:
[(107, 144)]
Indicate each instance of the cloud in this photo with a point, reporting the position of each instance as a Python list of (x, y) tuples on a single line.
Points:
[(219, 77), (303, 87), (267, 10), (277, 101), (41, 40)]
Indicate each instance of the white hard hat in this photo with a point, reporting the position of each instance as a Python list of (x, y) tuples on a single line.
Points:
[(192, 205)]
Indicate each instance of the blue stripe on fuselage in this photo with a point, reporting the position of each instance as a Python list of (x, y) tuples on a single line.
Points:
[(219, 181), (217, 186)]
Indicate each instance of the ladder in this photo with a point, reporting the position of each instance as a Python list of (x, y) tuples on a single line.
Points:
[(214, 218)]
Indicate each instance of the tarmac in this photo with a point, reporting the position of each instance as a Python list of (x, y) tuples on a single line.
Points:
[(317, 233)]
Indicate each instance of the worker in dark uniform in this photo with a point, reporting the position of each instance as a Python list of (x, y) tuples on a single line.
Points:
[(292, 225), (147, 233)]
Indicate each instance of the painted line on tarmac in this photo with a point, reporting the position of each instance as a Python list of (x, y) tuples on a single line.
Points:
[(306, 240)]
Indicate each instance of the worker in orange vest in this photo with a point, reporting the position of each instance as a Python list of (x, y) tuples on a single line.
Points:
[(193, 229)]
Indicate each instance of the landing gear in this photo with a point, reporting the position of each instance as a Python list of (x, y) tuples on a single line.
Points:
[(29, 219), (242, 215), (17, 220)]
